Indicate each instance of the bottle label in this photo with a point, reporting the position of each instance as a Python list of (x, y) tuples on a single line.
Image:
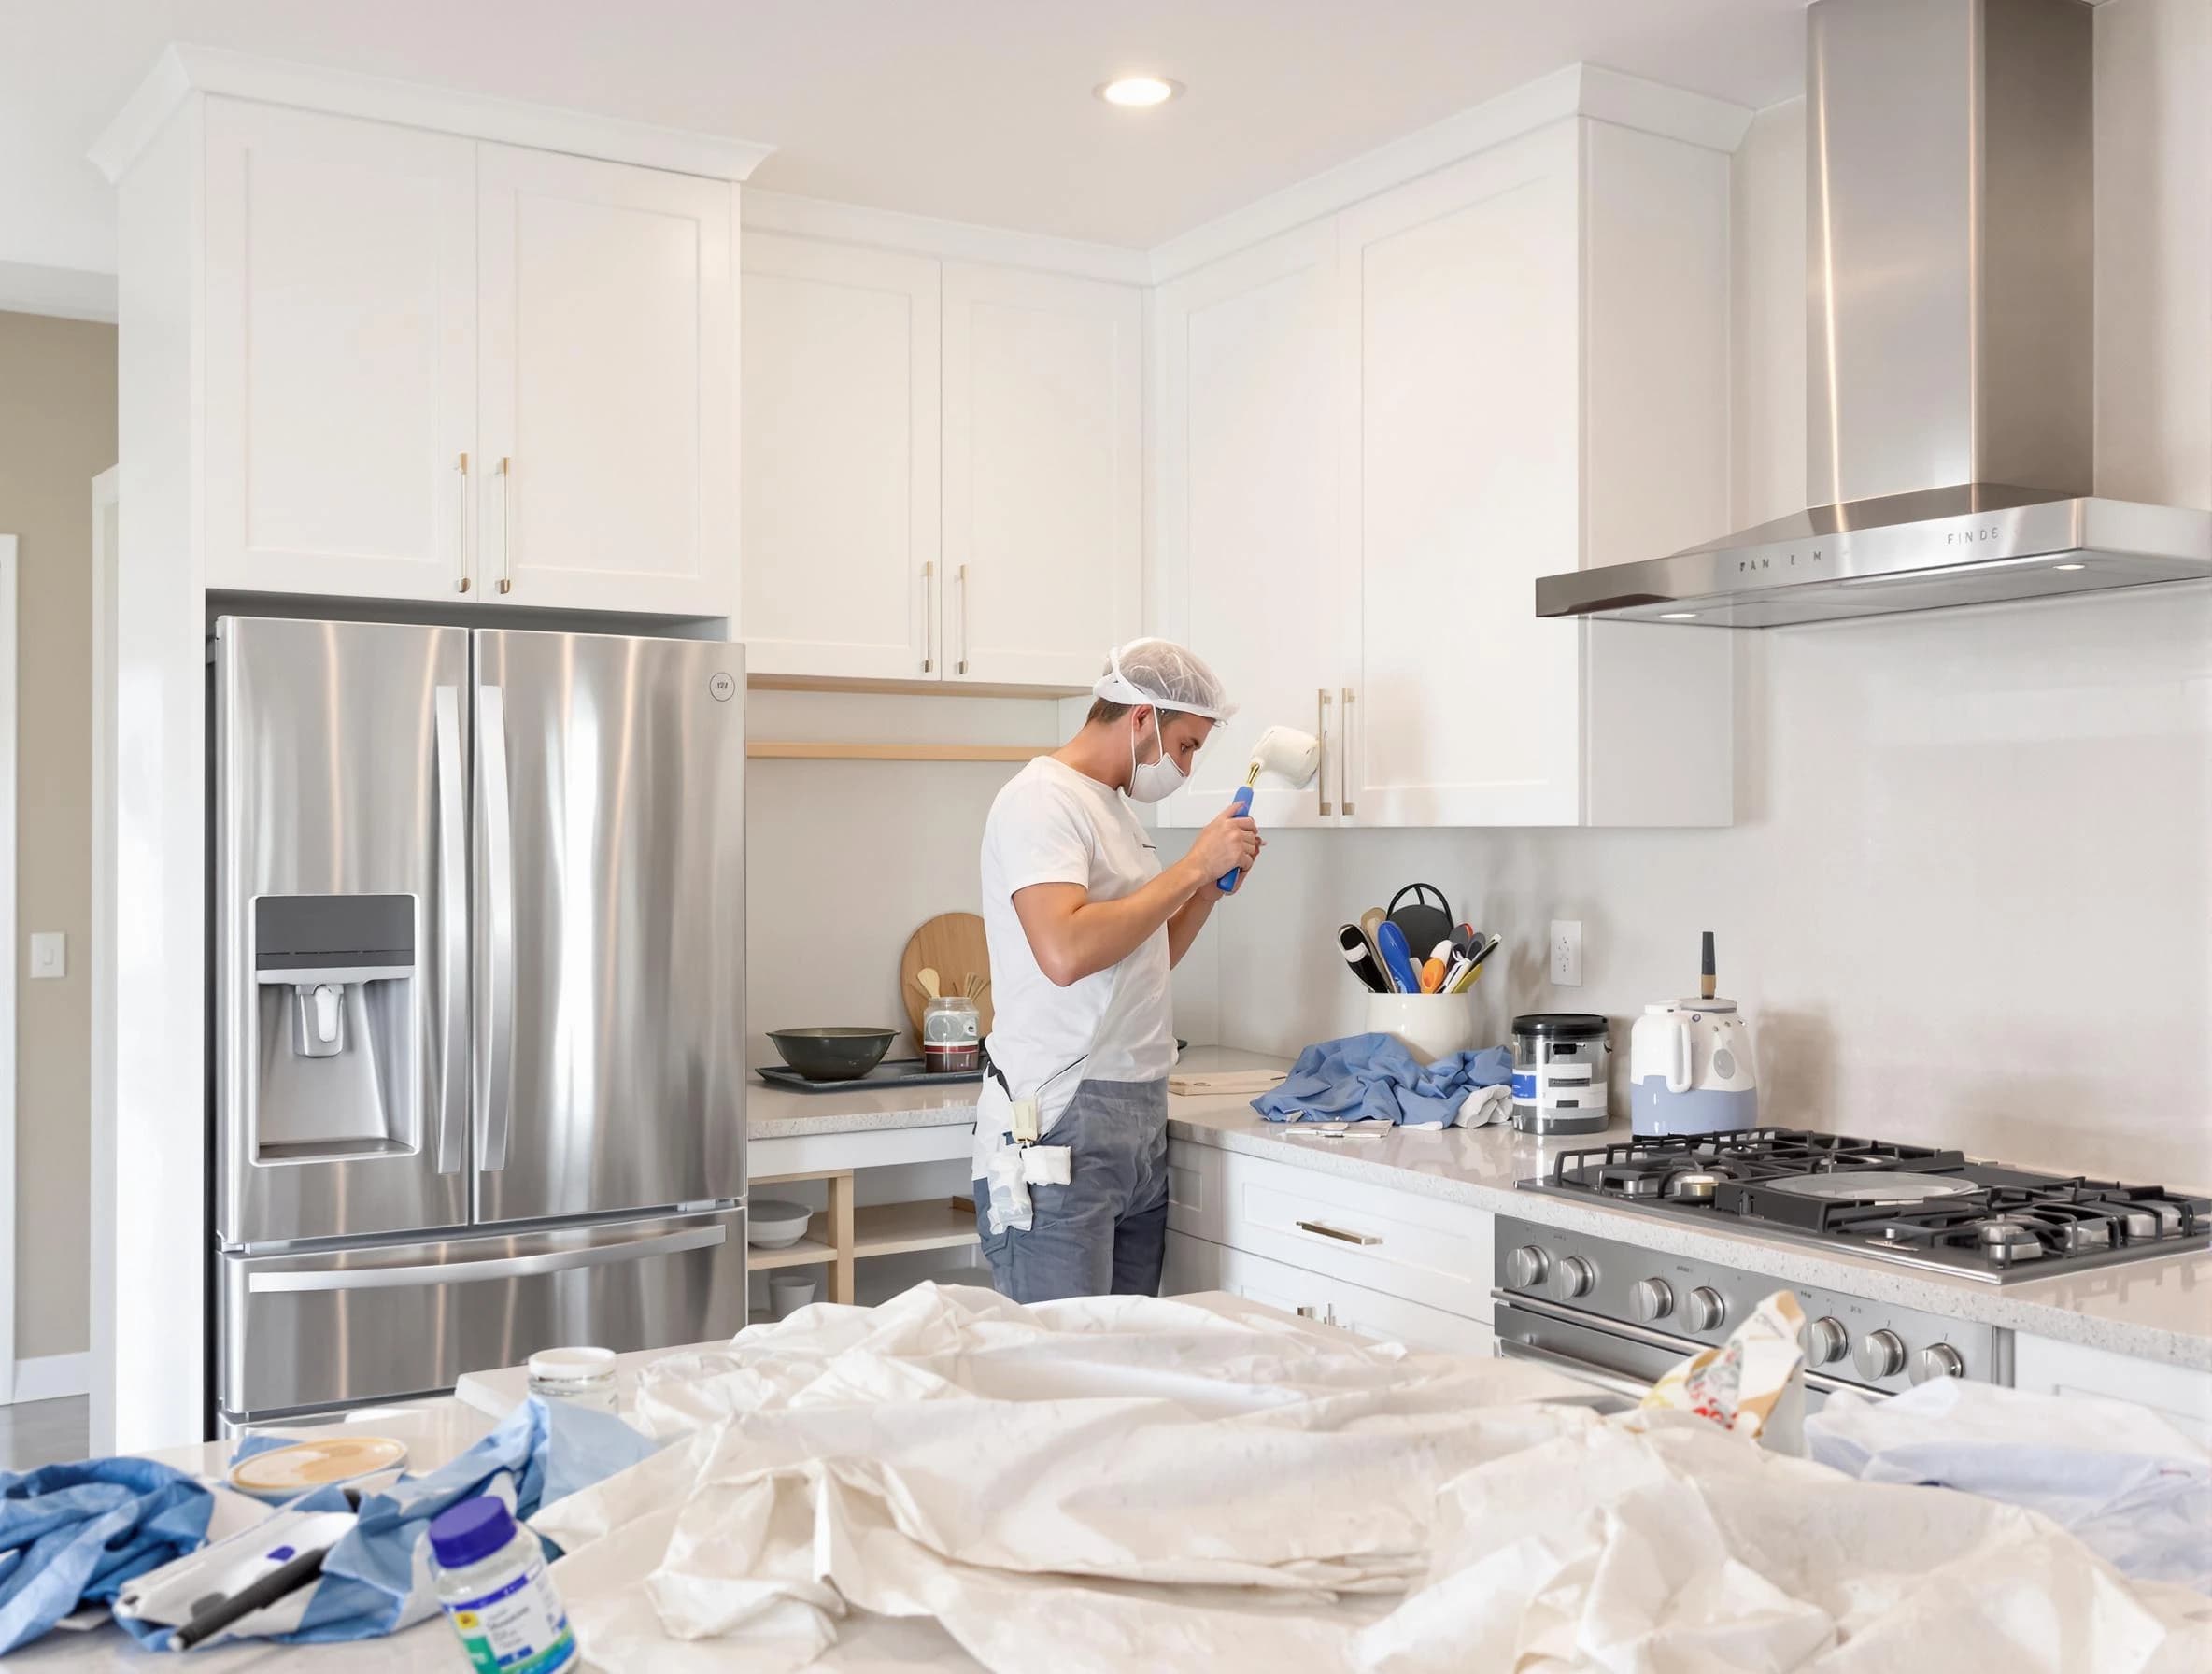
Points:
[(518, 1629)]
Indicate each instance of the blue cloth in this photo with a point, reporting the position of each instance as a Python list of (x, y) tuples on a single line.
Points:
[(71, 1534), (1105, 1232), (1373, 1078)]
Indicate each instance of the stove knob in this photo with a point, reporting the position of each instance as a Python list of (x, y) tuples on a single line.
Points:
[(1880, 1355), (1528, 1266), (1706, 1308), (1652, 1298), (1937, 1360), (1826, 1341), (1577, 1278)]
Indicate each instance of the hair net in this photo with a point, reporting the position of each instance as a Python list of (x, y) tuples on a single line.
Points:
[(1161, 673)]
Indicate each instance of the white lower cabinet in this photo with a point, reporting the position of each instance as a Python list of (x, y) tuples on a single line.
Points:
[(2180, 1394), (1195, 1264)]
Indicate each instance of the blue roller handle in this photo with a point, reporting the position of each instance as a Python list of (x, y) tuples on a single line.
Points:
[(1227, 881), (1397, 957)]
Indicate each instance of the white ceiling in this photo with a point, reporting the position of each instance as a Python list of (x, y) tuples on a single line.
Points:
[(976, 110)]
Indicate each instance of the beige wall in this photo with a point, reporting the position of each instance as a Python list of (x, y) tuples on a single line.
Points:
[(57, 432)]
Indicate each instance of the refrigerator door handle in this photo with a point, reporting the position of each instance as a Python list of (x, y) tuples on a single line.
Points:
[(499, 914), (503, 1267), (453, 935)]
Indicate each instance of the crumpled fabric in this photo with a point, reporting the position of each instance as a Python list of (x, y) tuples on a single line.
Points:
[(376, 1578), (1102, 1483), (1374, 1078), (2135, 1490), (73, 1534)]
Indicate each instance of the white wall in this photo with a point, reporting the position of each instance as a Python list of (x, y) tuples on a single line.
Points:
[(1968, 896)]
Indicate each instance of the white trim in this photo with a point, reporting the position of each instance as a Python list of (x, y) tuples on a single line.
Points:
[(59, 292), (1576, 90), (100, 974), (184, 68), (8, 589), (50, 1377), (891, 229)]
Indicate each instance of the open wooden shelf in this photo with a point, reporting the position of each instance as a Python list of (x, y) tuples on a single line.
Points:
[(810, 1251), (773, 749), (895, 1229), (843, 1233)]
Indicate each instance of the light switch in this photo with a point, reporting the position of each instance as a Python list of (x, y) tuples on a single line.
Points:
[(49, 955)]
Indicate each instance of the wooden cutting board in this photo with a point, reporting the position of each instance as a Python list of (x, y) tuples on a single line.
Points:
[(953, 945)]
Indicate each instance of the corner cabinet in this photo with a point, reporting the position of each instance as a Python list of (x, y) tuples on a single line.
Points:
[(439, 369), (943, 475), (1514, 366)]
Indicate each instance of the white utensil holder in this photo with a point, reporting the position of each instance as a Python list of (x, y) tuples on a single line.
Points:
[(1430, 1026)]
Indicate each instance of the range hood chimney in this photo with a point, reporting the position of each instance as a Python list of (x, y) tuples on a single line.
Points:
[(1948, 341)]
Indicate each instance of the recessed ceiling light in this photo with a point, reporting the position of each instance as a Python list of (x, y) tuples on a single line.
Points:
[(1677, 616), (1135, 92), (2069, 566)]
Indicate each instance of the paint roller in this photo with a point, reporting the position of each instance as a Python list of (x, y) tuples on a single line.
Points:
[(1291, 755)]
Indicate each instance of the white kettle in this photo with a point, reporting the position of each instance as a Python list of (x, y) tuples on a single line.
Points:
[(1690, 1068)]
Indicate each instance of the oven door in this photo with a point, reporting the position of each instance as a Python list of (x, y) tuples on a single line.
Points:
[(1611, 1354)]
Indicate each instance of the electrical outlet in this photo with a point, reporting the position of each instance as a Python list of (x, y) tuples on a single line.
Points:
[(1566, 953), (49, 955)]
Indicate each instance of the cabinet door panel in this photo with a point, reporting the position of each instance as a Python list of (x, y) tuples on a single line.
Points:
[(608, 318), (1460, 296), (341, 353), (1043, 547), (840, 461), (1246, 531)]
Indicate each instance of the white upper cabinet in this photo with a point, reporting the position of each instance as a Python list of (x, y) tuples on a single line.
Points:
[(607, 336), (1044, 488), (341, 354), (446, 370), (1245, 506), (841, 459)]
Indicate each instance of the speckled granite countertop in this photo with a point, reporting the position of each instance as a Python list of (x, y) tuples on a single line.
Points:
[(2156, 1309)]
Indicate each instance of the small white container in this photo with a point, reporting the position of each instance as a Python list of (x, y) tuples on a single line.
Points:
[(1430, 1026), (787, 1294), (584, 1377)]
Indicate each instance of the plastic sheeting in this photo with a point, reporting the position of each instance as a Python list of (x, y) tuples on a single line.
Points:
[(1128, 1483)]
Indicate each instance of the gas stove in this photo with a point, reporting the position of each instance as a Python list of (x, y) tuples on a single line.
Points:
[(1908, 1203)]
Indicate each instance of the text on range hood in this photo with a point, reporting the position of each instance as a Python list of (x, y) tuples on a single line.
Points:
[(1949, 347)]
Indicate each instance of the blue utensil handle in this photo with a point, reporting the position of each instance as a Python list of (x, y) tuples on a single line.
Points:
[(1227, 881), (1398, 959)]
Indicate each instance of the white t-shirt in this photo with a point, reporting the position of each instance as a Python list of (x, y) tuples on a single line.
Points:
[(1053, 825)]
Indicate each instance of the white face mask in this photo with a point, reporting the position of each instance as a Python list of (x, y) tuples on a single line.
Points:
[(1149, 781)]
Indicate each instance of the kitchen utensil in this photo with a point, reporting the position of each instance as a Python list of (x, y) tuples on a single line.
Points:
[(283, 1473), (1465, 979), (776, 1223), (1398, 959), (216, 1614), (1466, 938), (1429, 1026), (787, 1294), (1432, 976), (1360, 955), (1690, 1064), (953, 945), (891, 1072), (926, 980), (1560, 1059), (1292, 756), (1425, 923), (833, 1053), (1370, 922), (952, 1036)]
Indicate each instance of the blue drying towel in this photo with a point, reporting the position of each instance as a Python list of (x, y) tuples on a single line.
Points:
[(1373, 1078), (76, 1533)]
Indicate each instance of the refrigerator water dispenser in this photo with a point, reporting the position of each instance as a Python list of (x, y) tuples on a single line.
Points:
[(336, 1015)]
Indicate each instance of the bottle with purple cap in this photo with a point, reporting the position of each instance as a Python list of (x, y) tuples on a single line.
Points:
[(491, 1576)]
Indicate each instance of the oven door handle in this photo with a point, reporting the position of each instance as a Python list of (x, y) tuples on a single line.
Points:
[(1580, 1370), (1684, 1346)]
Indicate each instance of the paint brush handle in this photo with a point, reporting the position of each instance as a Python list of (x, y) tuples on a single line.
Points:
[(1227, 881)]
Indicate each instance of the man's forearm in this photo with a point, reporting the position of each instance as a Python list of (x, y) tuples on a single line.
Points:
[(1098, 935), (1189, 920)]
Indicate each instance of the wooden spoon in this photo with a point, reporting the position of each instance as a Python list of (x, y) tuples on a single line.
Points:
[(926, 980)]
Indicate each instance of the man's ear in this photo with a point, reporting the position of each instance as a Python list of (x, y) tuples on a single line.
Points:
[(1140, 717)]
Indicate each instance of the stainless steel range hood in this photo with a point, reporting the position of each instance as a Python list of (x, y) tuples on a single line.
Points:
[(1948, 341)]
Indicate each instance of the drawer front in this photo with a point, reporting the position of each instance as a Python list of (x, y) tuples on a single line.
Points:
[(1199, 1264), (1397, 1243)]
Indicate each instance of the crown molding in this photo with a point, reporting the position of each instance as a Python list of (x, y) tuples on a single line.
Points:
[(853, 223), (183, 69), (60, 293)]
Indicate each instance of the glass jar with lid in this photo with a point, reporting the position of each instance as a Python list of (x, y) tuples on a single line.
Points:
[(951, 1035), (584, 1377)]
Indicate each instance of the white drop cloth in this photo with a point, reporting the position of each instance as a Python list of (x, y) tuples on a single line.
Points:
[(1123, 1483)]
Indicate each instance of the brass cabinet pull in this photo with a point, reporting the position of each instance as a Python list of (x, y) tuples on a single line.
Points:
[(506, 524), (929, 618), (1321, 731), (1344, 756), (1322, 1229), (962, 667), (460, 582)]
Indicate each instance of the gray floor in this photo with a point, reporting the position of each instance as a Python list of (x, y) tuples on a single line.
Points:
[(35, 1433)]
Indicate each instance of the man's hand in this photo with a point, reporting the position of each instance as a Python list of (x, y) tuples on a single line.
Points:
[(1229, 841)]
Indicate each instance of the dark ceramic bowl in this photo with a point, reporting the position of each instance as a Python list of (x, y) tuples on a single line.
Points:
[(832, 1054)]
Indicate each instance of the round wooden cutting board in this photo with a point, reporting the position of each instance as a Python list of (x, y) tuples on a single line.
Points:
[(953, 945)]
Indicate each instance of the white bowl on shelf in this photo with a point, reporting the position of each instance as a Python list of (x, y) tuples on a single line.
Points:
[(776, 1223)]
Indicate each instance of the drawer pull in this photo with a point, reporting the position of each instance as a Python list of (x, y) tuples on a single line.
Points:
[(1322, 1229)]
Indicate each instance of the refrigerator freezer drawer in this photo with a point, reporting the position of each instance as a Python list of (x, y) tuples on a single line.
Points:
[(362, 1324)]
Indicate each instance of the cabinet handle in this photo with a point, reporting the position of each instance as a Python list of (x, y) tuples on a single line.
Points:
[(962, 667), (1310, 1312), (460, 582), (929, 618), (1321, 731), (1322, 1229), (506, 524), (1344, 756)]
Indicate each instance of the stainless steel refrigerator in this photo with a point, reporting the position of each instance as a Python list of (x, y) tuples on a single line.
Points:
[(479, 980)]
